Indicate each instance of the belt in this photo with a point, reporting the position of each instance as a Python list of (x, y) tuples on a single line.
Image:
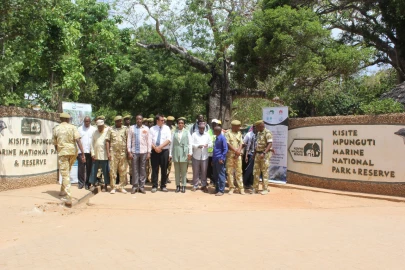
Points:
[(163, 150), (259, 152)]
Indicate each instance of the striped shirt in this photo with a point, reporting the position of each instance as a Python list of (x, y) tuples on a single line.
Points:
[(139, 140)]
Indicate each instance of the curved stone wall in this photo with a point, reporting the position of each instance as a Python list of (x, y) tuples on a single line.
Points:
[(27, 155)]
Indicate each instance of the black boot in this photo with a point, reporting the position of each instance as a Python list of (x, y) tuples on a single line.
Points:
[(183, 189), (177, 189)]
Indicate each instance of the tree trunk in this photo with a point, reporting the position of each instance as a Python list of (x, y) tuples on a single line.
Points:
[(220, 99)]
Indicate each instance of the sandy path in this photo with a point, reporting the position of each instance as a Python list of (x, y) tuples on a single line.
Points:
[(288, 229)]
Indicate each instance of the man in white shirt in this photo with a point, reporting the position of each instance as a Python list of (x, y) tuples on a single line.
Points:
[(200, 142), (161, 138), (84, 169)]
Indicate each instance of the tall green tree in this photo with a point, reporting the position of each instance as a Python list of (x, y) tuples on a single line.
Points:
[(379, 24), (200, 32), (292, 48), (39, 51)]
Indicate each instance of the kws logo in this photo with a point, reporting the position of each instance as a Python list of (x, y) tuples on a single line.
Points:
[(306, 150)]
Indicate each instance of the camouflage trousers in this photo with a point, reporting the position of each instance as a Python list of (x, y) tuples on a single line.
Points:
[(234, 171), (65, 165), (118, 163), (261, 166)]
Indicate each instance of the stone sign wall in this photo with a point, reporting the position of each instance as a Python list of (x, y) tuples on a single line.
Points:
[(351, 153), (27, 155)]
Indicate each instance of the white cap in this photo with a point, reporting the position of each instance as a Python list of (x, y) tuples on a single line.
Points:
[(214, 121), (100, 122)]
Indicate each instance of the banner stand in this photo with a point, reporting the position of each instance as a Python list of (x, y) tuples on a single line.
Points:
[(276, 120)]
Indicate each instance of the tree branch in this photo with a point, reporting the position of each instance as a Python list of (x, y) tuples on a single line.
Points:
[(192, 60), (157, 23)]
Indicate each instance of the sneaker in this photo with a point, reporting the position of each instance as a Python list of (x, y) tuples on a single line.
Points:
[(230, 191), (154, 190), (264, 192), (253, 191), (142, 190), (122, 190), (219, 194), (164, 189), (134, 190), (62, 193), (242, 192), (194, 188), (112, 191), (103, 188)]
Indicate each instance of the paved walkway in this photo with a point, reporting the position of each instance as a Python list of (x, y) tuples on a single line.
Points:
[(287, 229)]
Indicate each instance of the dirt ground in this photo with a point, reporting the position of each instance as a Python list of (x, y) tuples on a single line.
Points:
[(286, 229)]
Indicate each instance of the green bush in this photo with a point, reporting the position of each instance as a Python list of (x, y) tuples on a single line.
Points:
[(382, 106)]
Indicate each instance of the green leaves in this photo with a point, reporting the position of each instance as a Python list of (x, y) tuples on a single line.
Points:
[(382, 106)]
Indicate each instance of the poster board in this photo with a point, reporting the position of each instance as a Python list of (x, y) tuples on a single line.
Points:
[(276, 120)]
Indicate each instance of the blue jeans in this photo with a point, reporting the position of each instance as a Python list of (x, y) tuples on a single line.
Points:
[(218, 175), (104, 168)]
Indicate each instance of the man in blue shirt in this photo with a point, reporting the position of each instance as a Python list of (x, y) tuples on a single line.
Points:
[(218, 161)]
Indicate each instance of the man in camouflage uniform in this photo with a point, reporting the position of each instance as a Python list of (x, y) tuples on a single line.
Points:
[(65, 137), (127, 123), (234, 158), (116, 146), (262, 155)]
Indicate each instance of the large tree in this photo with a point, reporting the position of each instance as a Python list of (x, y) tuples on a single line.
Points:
[(39, 52), (61, 51), (290, 48), (379, 24), (198, 31)]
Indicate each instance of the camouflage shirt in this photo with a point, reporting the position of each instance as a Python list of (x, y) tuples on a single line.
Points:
[(64, 137), (233, 139), (118, 139), (262, 139)]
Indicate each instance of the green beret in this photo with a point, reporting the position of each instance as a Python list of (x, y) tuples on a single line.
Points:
[(102, 117), (119, 117), (64, 115), (181, 118), (236, 123), (258, 122), (127, 116), (170, 118), (151, 116)]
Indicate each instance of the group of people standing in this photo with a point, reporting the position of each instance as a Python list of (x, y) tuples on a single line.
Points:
[(214, 153)]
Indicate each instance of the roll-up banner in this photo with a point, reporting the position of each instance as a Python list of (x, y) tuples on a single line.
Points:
[(276, 120)]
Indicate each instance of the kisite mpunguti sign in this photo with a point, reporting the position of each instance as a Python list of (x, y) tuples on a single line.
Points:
[(348, 152), (26, 146)]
